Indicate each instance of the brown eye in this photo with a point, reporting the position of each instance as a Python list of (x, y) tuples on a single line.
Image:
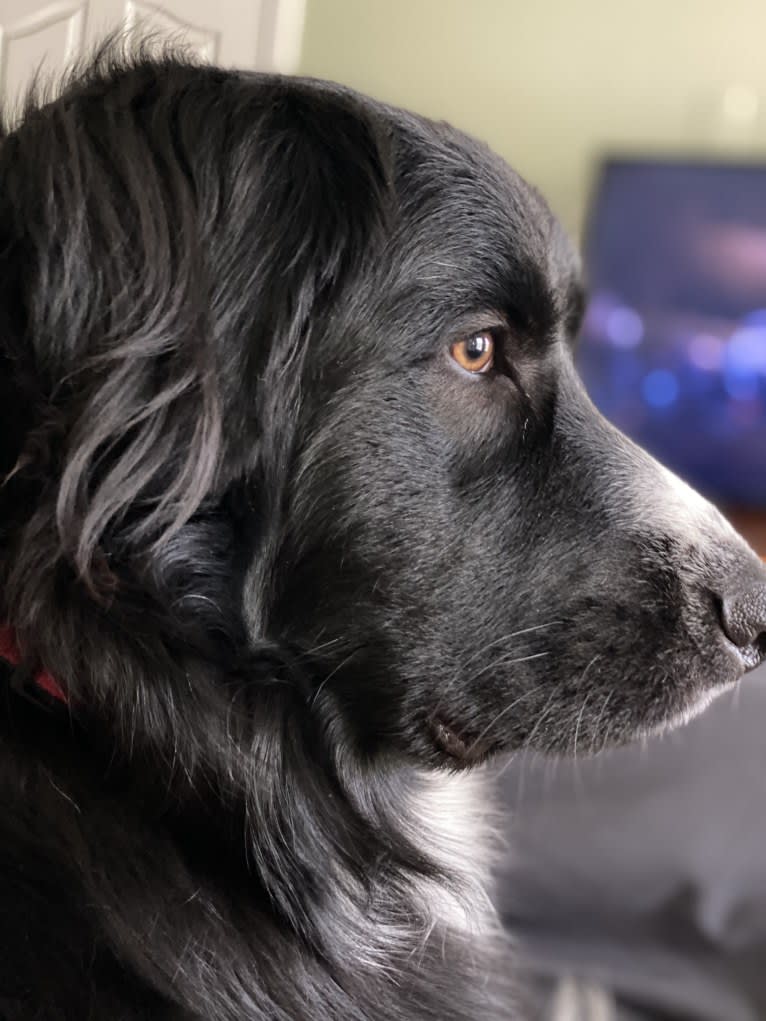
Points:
[(475, 353)]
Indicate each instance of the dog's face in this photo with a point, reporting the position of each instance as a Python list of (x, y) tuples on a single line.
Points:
[(499, 565), (457, 548)]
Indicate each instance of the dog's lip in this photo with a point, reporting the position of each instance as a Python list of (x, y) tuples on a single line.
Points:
[(750, 657), (447, 739), (456, 745)]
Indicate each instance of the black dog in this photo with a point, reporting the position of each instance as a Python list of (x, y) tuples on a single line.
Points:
[(304, 511)]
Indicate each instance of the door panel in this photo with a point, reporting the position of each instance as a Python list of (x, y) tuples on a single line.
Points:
[(147, 20), (37, 39), (45, 38)]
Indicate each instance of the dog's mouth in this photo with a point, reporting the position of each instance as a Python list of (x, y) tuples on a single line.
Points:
[(460, 746), (754, 654)]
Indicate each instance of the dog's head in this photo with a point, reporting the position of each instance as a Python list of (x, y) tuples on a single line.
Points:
[(288, 376)]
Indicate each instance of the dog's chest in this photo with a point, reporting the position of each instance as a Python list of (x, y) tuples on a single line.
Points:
[(450, 819)]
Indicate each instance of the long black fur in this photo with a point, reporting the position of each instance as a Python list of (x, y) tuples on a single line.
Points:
[(296, 570)]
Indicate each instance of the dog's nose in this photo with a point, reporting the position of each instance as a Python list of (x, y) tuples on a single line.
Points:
[(744, 618)]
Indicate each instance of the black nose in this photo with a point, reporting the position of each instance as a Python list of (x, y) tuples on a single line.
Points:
[(744, 618)]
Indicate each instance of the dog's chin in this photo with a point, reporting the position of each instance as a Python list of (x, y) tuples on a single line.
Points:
[(673, 719), (461, 749), (696, 708), (657, 725), (463, 741), (739, 663)]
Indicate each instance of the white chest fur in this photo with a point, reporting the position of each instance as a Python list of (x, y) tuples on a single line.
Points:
[(451, 818)]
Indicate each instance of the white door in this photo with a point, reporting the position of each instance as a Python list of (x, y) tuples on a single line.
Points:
[(47, 36)]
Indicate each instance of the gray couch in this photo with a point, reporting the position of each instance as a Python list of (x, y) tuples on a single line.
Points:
[(643, 871)]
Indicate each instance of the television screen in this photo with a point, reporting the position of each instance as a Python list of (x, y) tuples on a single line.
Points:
[(673, 348)]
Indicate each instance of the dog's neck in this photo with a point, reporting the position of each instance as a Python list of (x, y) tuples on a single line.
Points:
[(357, 878), (451, 819)]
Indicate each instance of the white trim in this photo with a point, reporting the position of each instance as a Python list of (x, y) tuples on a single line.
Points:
[(287, 43)]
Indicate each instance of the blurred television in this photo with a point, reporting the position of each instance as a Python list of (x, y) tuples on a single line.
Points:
[(673, 348)]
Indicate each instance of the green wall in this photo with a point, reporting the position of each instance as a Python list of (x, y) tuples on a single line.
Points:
[(551, 84)]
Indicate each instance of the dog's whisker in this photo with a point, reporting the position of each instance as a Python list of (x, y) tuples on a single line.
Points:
[(329, 677), (458, 678), (509, 637), (505, 661), (503, 712), (580, 679), (542, 716), (318, 648), (604, 705), (578, 725), (65, 796), (607, 733)]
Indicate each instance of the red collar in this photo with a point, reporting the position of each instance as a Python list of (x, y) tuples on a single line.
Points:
[(41, 679)]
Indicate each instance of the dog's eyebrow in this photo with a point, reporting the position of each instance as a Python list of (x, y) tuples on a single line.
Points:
[(576, 302), (531, 303)]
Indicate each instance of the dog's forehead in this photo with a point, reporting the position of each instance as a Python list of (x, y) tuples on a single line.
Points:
[(464, 217), (476, 228), (457, 188)]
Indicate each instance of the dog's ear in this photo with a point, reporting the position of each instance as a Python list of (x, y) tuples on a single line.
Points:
[(165, 236), (103, 276)]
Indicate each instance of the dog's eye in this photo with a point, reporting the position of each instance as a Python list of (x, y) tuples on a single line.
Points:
[(476, 353)]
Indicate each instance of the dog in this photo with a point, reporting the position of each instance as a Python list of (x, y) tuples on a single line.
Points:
[(305, 520)]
